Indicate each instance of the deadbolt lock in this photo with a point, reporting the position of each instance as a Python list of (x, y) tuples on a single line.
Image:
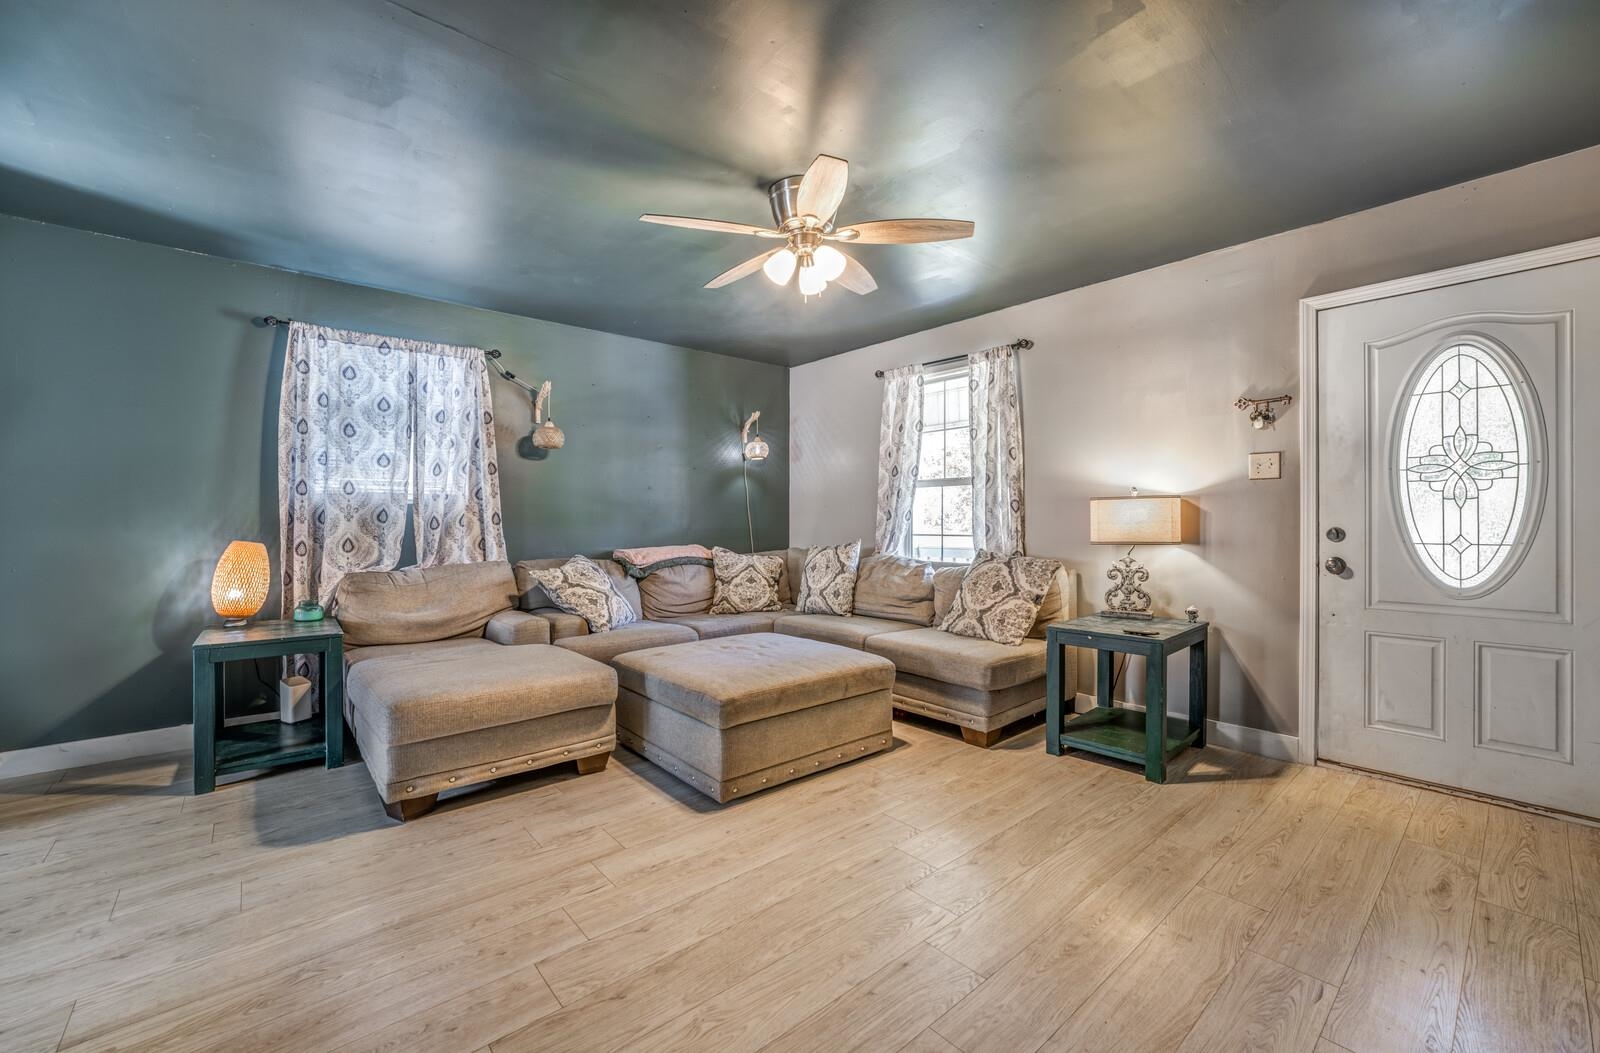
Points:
[(1336, 533)]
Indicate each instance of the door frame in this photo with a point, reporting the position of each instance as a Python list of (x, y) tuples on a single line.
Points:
[(1310, 412)]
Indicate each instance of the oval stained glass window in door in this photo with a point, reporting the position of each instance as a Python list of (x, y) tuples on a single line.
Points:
[(1463, 466)]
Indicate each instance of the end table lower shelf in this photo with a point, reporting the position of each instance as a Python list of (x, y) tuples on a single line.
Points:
[(1120, 733)]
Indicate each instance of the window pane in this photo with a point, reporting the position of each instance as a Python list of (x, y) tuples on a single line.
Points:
[(957, 508), (955, 402), (932, 405), (926, 515), (958, 455), (930, 462)]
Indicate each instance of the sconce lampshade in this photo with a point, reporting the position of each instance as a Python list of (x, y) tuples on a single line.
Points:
[(1143, 521), (756, 449), (549, 437), (239, 584)]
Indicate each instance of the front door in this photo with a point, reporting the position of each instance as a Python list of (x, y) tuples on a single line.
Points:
[(1459, 603)]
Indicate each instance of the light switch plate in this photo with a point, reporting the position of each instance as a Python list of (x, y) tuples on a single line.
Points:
[(1265, 465)]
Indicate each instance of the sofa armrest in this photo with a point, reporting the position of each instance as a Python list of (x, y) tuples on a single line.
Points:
[(562, 624), (517, 627)]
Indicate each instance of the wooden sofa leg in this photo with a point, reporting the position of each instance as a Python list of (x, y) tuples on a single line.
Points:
[(411, 807), (591, 764), (981, 739)]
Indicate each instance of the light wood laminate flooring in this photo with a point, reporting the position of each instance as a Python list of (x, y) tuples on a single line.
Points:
[(934, 899)]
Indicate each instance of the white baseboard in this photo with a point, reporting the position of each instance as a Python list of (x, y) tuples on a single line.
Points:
[(1272, 744), (61, 755)]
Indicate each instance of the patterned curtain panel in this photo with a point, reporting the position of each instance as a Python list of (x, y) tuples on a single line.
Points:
[(369, 425), (457, 483), (997, 522), (899, 448)]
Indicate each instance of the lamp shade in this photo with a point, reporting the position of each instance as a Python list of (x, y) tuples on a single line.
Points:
[(239, 584), (1143, 521)]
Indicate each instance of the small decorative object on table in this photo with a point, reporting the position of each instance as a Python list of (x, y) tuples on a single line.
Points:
[(1131, 521), (1192, 613), (1126, 734), (308, 611), (220, 750)]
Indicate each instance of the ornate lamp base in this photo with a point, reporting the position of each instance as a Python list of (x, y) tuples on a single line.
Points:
[(1125, 598)]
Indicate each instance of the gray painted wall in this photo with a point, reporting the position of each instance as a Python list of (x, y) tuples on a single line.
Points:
[(1132, 382), (140, 436)]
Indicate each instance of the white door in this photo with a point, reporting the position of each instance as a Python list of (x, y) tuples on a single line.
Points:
[(1456, 440)]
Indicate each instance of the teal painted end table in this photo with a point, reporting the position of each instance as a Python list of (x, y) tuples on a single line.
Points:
[(220, 750), (1146, 738)]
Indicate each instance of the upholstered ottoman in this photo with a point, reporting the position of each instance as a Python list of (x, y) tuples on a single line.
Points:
[(444, 715), (735, 715)]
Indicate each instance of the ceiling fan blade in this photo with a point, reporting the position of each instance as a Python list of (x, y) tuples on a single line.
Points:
[(855, 277), (822, 187), (721, 226), (741, 270), (903, 231)]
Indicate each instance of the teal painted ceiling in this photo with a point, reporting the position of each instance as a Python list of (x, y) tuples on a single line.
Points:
[(497, 153)]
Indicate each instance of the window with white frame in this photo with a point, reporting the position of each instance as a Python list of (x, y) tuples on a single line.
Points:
[(942, 509)]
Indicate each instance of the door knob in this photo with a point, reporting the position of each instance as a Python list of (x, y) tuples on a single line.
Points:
[(1335, 565)]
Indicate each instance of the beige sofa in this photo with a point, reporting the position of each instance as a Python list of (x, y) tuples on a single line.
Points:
[(979, 686), (447, 684)]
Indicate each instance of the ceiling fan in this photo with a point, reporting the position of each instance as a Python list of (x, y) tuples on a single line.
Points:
[(802, 210)]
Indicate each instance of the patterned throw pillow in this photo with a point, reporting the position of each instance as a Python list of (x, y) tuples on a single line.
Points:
[(745, 584), (580, 586), (999, 597), (828, 582)]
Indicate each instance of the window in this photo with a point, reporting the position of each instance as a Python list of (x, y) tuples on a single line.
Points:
[(941, 514), (1463, 466)]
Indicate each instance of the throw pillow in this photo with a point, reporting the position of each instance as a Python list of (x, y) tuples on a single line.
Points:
[(828, 582), (581, 586), (744, 583), (999, 597)]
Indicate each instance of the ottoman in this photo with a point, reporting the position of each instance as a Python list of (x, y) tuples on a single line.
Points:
[(734, 715), (451, 713)]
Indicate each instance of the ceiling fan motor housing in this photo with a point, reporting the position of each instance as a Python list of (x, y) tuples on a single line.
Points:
[(782, 195)]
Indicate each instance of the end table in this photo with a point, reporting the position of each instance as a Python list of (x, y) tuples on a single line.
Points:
[(1126, 734), (219, 750)]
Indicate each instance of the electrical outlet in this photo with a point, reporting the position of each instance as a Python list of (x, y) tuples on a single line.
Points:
[(1265, 465)]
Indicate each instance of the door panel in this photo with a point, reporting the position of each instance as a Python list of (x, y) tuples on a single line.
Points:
[(1462, 644)]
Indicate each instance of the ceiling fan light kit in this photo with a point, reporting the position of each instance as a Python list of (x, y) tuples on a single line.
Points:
[(803, 210)]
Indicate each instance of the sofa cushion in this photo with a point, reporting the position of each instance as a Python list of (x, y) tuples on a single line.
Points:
[(844, 630), (605, 646), (581, 586), (534, 598), (517, 627), (982, 664), (676, 590), (711, 626), (946, 583), (744, 583), (422, 603), (895, 587), (999, 597), (828, 579), (738, 679), (413, 693), (1057, 605)]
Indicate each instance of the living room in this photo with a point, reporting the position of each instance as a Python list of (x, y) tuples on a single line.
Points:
[(740, 526)]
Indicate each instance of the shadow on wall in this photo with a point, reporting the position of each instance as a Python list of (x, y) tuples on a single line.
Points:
[(1236, 687)]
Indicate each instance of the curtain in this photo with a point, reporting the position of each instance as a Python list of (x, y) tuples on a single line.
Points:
[(369, 426), (457, 481), (899, 448), (997, 520)]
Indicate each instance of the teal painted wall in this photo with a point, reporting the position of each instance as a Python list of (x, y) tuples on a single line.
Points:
[(140, 436)]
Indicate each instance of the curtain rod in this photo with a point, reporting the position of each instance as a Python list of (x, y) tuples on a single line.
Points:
[(1021, 344), (493, 354)]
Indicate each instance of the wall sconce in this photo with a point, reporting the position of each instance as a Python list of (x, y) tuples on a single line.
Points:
[(546, 436), (1262, 415), (754, 449)]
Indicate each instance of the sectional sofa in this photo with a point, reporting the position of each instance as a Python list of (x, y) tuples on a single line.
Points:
[(461, 674)]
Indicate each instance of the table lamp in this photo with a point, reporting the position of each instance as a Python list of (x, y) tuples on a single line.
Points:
[(239, 584), (1131, 521)]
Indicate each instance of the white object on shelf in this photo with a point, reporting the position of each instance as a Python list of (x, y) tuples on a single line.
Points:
[(294, 699)]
